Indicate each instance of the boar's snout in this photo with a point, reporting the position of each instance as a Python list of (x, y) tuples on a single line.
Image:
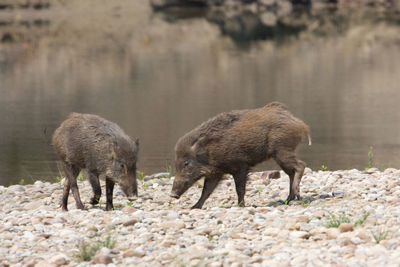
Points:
[(130, 190)]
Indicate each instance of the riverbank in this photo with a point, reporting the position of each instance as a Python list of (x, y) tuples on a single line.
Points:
[(156, 230)]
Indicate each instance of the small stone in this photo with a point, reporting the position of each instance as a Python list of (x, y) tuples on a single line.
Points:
[(92, 228), (345, 227), (128, 209), (133, 253), (269, 19), (302, 218), (36, 220), (177, 224), (16, 188), (58, 260), (102, 259), (267, 2), (299, 234), (319, 214), (332, 233), (39, 183), (130, 222)]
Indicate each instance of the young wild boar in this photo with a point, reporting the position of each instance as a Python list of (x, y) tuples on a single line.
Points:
[(233, 142), (100, 148)]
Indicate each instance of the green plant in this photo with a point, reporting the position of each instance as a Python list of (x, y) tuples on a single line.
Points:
[(379, 236), (129, 203), (140, 175), (169, 170), (324, 168), (81, 177), (334, 221), (21, 182), (304, 204), (240, 204), (259, 190), (87, 250), (362, 220), (370, 158), (144, 186), (110, 242), (226, 206)]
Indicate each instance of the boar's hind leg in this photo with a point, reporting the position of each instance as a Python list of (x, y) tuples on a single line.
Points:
[(71, 172), (240, 184), (210, 183), (109, 193), (292, 167), (64, 202), (95, 183)]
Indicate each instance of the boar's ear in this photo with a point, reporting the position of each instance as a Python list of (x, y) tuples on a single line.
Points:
[(137, 142), (199, 150)]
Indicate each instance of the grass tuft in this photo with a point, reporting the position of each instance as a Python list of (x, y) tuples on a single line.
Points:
[(140, 175), (324, 168), (169, 170), (379, 236), (370, 158), (334, 221), (87, 251)]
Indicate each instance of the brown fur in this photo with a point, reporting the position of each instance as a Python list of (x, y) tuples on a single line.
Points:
[(233, 142), (100, 148)]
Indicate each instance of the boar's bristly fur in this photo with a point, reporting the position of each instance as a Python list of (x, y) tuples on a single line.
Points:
[(233, 142), (101, 149)]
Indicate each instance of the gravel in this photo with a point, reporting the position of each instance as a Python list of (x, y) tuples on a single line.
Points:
[(156, 230)]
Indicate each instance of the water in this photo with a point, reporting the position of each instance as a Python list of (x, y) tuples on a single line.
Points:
[(164, 80)]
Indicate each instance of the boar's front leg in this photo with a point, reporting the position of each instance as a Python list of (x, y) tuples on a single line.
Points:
[(109, 193), (240, 183), (210, 183)]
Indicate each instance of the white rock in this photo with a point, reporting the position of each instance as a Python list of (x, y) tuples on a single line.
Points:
[(299, 234), (59, 260), (16, 188)]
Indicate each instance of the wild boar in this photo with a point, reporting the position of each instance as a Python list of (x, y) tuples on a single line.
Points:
[(101, 149), (233, 142)]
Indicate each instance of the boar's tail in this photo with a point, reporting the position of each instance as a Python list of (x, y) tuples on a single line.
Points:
[(309, 139)]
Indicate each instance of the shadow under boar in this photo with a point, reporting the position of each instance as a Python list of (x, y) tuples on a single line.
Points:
[(100, 148), (233, 142)]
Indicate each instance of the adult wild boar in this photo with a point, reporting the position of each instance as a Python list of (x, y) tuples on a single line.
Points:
[(100, 148), (233, 142)]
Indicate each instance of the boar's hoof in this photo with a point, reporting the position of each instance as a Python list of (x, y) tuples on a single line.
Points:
[(196, 207), (133, 198), (174, 195), (94, 201), (290, 198)]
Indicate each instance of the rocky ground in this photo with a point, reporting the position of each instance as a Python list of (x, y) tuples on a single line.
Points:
[(156, 230)]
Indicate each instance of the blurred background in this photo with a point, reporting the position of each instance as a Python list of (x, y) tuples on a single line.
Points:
[(159, 68)]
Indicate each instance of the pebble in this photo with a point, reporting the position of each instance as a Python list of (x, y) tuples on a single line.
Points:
[(345, 227), (59, 259), (101, 258), (154, 233)]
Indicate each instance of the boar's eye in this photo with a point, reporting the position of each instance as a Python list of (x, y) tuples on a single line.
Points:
[(186, 163), (122, 166)]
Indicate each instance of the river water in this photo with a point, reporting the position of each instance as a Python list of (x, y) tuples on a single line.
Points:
[(166, 77)]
